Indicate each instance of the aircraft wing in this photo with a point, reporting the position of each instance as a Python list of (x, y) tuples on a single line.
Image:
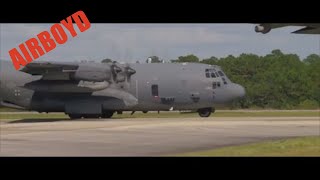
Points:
[(112, 78), (51, 71), (42, 68), (93, 72), (308, 28)]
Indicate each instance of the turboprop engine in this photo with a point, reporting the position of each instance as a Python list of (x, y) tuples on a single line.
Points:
[(110, 72), (264, 29)]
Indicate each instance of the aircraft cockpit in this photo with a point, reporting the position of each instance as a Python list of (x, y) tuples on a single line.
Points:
[(217, 75)]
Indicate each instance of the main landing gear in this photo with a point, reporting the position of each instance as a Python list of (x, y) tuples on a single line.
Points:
[(205, 112)]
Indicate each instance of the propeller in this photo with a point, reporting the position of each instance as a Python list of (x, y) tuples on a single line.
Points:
[(128, 71), (121, 73), (115, 70)]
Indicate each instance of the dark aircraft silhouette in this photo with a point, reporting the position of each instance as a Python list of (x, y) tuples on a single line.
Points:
[(308, 27)]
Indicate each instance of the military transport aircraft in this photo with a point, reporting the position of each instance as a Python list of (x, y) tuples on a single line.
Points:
[(308, 27), (94, 90)]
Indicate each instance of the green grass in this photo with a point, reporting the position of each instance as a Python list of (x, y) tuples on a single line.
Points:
[(32, 116), (4, 109), (176, 114), (305, 146)]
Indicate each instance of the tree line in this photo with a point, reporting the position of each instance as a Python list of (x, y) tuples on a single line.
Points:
[(276, 80)]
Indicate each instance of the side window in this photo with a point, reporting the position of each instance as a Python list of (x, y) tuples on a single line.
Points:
[(154, 90), (217, 74), (224, 80), (220, 73), (207, 73), (214, 85)]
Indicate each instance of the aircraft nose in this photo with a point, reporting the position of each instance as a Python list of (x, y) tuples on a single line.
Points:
[(238, 91)]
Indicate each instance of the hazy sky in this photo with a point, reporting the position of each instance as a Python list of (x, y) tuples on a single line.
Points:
[(132, 42)]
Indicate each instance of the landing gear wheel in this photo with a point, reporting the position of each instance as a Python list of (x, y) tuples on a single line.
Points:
[(205, 112), (107, 114), (75, 116), (145, 112)]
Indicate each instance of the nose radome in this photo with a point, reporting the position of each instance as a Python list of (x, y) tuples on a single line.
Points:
[(239, 91)]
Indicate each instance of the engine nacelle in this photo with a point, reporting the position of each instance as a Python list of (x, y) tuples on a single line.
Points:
[(111, 72), (94, 74), (262, 29)]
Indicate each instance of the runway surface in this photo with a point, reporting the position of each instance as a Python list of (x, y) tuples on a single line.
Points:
[(144, 136)]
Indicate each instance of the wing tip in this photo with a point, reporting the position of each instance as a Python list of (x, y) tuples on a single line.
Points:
[(306, 30)]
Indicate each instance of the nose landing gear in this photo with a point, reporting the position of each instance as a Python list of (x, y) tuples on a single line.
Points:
[(205, 112)]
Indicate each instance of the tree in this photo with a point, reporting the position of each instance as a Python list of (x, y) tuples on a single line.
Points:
[(106, 60), (312, 68), (277, 52), (188, 58), (312, 59), (212, 60)]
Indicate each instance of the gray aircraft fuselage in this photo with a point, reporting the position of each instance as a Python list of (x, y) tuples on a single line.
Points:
[(156, 86)]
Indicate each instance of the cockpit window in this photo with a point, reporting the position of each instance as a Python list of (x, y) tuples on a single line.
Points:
[(213, 75), (220, 73), (210, 73), (207, 73)]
